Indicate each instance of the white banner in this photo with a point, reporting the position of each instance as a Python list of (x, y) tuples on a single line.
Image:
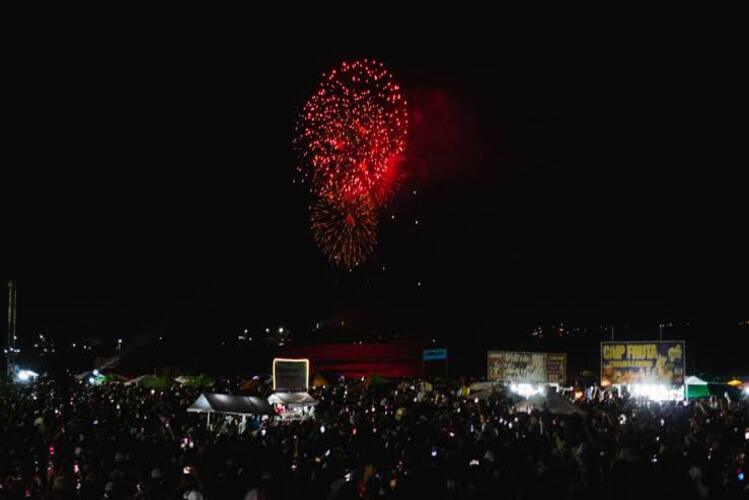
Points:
[(526, 367)]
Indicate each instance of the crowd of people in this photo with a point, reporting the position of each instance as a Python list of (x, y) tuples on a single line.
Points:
[(68, 439)]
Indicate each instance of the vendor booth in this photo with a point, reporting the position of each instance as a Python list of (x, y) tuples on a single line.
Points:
[(226, 404), (293, 405), (291, 400)]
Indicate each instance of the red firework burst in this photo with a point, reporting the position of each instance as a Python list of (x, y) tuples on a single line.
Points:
[(352, 132)]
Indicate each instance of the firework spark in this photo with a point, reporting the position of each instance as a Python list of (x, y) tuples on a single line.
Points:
[(346, 231), (352, 132)]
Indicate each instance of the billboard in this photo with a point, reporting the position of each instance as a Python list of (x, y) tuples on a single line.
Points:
[(650, 362), (526, 367), (290, 374), (435, 354)]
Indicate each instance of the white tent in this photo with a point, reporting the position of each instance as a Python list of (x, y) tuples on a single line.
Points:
[(86, 375), (292, 399), (482, 386), (137, 380), (693, 380), (230, 405), (488, 393), (555, 403)]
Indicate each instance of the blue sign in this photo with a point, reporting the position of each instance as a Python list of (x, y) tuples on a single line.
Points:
[(435, 354)]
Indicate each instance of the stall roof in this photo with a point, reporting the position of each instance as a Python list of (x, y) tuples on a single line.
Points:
[(137, 380), (292, 399), (233, 405), (693, 380), (555, 403), (494, 392), (482, 386)]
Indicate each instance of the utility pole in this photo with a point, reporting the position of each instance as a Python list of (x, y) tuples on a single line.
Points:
[(11, 350)]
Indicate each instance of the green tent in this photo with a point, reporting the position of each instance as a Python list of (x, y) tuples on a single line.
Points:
[(378, 380), (153, 382), (696, 387), (113, 378), (201, 381), (195, 381), (698, 391), (699, 388)]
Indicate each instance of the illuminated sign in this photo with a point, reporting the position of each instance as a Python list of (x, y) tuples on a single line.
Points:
[(655, 362), (290, 374), (435, 354), (526, 367)]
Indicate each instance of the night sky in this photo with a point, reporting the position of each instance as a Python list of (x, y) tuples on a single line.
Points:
[(588, 183)]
